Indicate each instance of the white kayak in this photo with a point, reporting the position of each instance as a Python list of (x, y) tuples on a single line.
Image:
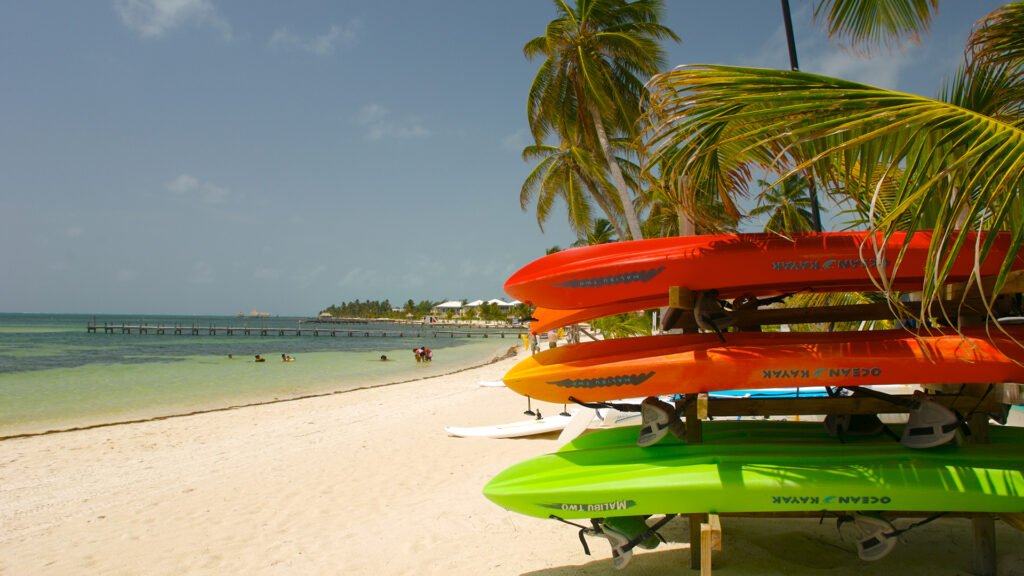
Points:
[(532, 427), (491, 383)]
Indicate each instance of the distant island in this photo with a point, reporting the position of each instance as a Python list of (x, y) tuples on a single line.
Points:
[(493, 310)]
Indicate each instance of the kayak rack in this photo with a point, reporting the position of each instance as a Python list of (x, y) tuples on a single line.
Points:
[(706, 530), (960, 303)]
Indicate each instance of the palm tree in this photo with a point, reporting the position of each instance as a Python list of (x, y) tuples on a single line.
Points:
[(602, 232), (963, 167), (571, 173), (789, 206), (562, 174), (592, 52)]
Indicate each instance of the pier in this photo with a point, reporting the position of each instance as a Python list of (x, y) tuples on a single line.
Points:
[(334, 331)]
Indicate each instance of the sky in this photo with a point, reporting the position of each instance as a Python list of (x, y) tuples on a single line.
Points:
[(220, 156)]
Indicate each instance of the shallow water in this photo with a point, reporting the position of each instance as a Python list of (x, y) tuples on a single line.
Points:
[(54, 375)]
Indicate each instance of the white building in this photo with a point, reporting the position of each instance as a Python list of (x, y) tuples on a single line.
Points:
[(453, 306)]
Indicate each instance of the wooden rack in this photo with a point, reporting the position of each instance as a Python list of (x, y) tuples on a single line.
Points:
[(960, 303)]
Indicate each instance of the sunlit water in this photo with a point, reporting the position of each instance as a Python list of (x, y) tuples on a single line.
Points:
[(54, 375)]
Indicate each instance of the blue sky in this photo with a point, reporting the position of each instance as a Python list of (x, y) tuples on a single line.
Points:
[(218, 156)]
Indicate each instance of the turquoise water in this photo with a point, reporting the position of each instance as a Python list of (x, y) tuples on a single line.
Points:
[(55, 375)]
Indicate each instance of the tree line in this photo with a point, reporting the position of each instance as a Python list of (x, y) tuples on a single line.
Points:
[(379, 309)]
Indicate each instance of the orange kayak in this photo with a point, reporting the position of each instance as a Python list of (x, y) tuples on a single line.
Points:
[(548, 319), (632, 275), (690, 363)]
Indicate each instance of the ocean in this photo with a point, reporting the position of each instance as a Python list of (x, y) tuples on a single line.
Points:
[(55, 376)]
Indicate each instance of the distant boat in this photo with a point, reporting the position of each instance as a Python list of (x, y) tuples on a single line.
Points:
[(257, 314)]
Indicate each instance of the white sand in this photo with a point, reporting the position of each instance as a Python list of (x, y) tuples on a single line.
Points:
[(366, 482)]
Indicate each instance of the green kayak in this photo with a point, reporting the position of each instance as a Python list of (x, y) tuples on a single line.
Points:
[(763, 466)]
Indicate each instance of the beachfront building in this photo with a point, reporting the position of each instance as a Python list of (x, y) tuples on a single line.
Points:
[(454, 307), (504, 306)]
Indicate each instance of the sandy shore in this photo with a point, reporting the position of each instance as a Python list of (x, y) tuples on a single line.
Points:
[(366, 482)]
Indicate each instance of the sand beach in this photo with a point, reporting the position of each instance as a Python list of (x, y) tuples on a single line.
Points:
[(365, 482)]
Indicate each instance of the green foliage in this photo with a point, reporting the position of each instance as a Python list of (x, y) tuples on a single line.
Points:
[(624, 325), (586, 93), (787, 204), (357, 309), (377, 309), (865, 24), (601, 233)]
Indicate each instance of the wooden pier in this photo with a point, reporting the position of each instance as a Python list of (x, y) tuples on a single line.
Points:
[(227, 330)]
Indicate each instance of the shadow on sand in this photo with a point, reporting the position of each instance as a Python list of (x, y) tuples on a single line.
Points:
[(766, 546)]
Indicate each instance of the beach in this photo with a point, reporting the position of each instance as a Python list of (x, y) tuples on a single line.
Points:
[(363, 482)]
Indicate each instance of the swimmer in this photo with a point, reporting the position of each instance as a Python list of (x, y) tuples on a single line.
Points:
[(383, 357)]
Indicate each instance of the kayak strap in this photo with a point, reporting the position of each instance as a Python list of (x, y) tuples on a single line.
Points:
[(929, 423), (709, 314), (876, 535), (659, 418), (584, 531), (622, 549), (621, 407)]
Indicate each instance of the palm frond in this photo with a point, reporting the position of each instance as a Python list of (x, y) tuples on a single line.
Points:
[(967, 166), (999, 37), (867, 23)]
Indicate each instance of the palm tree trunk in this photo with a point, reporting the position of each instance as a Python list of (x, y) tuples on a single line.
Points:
[(620, 183), (686, 227)]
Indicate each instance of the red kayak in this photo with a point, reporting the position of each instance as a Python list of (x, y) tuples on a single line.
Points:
[(689, 363), (634, 275)]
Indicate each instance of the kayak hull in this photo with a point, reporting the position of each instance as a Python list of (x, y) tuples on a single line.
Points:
[(636, 273), (763, 467), (691, 363)]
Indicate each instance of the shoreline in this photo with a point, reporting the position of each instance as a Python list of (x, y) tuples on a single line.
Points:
[(511, 352), (366, 482)]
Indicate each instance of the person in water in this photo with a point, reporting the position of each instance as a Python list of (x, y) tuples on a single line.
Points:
[(383, 357), (260, 358)]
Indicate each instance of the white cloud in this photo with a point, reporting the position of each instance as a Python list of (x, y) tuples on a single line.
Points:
[(379, 124), (202, 273), (264, 273), (359, 278), (321, 45), (183, 184), (815, 54), (154, 18), (516, 141), (883, 72), (189, 187)]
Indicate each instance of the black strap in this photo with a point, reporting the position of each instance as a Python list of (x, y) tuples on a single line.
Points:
[(597, 531), (583, 530), (652, 531), (614, 405)]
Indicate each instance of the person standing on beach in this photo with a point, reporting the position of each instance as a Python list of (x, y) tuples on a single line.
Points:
[(552, 339)]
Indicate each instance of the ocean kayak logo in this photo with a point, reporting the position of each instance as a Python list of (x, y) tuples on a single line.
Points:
[(641, 276), (808, 374), (622, 380), (832, 500), (601, 507), (830, 264)]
